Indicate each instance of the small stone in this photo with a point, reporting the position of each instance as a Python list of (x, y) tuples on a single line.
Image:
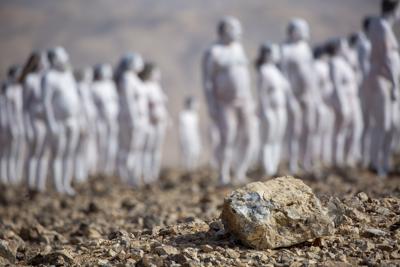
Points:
[(166, 250), (232, 254), (373, 232), (206, 248), (363, 196), (136, 254), (8, 250), (278, 213)]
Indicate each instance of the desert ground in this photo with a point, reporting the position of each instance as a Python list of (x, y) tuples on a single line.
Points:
[(176, 223)]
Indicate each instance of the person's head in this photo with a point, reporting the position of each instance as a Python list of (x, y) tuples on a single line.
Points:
[(229, 30), (132, 62), (320, 51), (83, 75), (102, 72), (298, 30), (390, 8), (334, 47), (365, 24), (190, 103), (150, 72), (36, 62), (58, 58), (268, 53), (353, 40), (13, 73)]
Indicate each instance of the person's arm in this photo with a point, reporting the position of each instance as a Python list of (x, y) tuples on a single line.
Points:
[(262, 95), (27, 116), (47, 93), (389, 67), (209, 71)]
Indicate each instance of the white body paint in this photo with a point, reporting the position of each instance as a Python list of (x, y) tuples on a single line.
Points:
[(326, 113), (4, 137), (157, 125), (36, 131), (63, 113), (132, 125), (273, 91), (227, 88), (189, 137), (297, 65), (106, 100), (381, 92), (86, 154), (15, 118)]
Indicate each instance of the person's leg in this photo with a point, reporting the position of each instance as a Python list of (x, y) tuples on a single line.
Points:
[(246, 124), (59, 147), (227, 125), (72, 138), (43, 157)]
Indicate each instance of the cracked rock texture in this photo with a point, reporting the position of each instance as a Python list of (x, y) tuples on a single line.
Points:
[(278, 213)]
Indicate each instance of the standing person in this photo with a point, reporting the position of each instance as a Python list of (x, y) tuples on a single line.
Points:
[(157, 122), (297, 65), (383, 82), (15, 118), (226, 83), (63, 111), (35, 124), (344, 84), (273, 91), (189, 135), (132, 118), (106, 100), (86, 154), (326, 113), (4, 135)]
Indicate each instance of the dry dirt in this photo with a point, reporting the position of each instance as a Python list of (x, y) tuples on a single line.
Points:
[(176, 224)]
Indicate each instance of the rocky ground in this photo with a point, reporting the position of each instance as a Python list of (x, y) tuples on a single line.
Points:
[(177, 224)]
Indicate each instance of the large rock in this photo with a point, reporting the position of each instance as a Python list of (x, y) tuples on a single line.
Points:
[(278, 213)]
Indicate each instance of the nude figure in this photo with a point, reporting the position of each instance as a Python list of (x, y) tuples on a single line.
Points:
[(345, 91), (382, 89), (273, 92), (4, 135), (189, 135), (158, 121), (35, 124), (106, 99), (226, 82), (297, 65), (132, 118), (325, 110), (63, 112), (86, 154), (15, 119)]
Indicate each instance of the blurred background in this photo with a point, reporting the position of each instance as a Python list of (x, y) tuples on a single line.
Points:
[(172, 33)]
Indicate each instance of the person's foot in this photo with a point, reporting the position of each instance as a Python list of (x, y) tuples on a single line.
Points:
[(70, 191)]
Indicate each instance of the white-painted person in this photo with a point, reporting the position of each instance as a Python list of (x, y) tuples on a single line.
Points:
[(343, 80), (86, 154), (326, 113), (158, 119), (273, 92), (37, 164), (132, 118), (364, 56), (15, 118), (189, 135), (4, 135), (226, 82), (383, 85), (106, 99), (297, 65), (63, 113)]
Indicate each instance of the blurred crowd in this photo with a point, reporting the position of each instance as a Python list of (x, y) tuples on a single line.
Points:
[(65, 124), (332, 105)]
